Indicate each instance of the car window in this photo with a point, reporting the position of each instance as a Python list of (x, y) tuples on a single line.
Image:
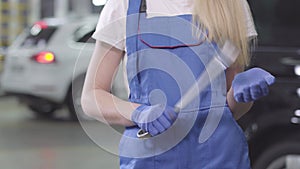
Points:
[(86, 38), (84, 33), (277, 22), (38, 35)]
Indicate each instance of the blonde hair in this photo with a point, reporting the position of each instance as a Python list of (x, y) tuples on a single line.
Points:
[(223, 19)]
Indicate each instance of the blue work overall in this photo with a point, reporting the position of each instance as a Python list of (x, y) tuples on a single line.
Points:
[(164, 60)]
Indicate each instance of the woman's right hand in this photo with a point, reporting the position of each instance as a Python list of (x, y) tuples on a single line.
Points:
[(154, 119)]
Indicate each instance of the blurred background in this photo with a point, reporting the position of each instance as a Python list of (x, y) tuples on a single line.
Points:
[(36, 129), (45, 47), (19, 14)]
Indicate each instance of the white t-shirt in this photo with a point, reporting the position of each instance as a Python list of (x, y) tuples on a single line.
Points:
[(111, 27)]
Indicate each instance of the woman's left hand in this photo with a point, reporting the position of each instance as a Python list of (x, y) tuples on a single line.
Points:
[(251, 85)]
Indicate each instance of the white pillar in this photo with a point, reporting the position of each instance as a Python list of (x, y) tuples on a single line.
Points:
[(15, 23), (35, 11), (61, 8), (82, 7)]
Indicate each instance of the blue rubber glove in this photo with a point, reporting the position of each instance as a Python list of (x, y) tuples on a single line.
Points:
[(251, 85), (154, 119)]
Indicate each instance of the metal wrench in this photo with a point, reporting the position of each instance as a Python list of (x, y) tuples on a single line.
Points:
[(229, 54)]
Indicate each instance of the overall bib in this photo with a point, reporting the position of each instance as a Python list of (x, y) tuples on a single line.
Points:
[(164, 60)]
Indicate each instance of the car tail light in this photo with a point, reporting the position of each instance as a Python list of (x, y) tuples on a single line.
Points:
[(38, 27), (44, 57), (41, 24)]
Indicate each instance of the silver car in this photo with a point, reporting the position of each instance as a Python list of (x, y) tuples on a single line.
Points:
[(46, 65)]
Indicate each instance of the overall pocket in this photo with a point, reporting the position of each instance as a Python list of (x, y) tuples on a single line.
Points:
[(167, 32)]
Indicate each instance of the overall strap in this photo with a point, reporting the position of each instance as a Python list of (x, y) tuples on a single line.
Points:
[(135, 7)]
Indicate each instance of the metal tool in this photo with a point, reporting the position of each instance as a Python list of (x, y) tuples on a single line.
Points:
[(229, 54)]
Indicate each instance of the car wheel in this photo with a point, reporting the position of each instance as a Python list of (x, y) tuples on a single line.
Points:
[(283, 155), (74, 100), (43, 110)]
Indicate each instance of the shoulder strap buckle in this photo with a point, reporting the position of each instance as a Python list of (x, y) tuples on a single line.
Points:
[(143, 6)]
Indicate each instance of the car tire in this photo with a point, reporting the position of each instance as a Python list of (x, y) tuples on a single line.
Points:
[(74, 100), (43, 110), (279, 156)]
